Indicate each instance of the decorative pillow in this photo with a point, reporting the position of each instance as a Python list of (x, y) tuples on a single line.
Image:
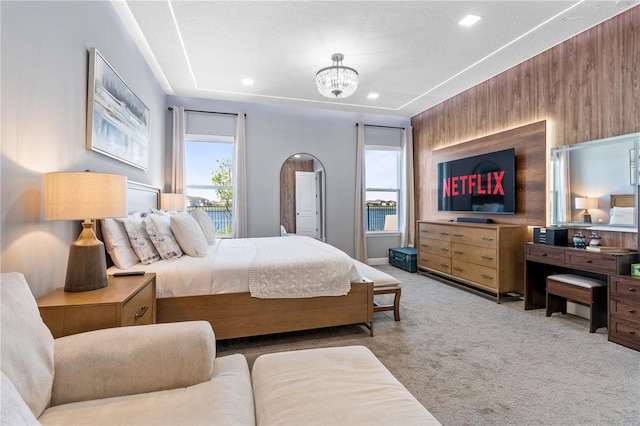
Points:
[(140, 241), (206, 225), (117, 243), (622, 216), (159, 230), (189, 235)]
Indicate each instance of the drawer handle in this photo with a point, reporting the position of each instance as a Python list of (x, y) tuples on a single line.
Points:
[(444, 265), (589, 261), (632, 311), (486, 238), (458, 251), (444, 233), (632, 332), (457, 268), (544, 254), (487, 257), (143, 311), (455, 234), (444, 249), (632, 289), (489, 277)]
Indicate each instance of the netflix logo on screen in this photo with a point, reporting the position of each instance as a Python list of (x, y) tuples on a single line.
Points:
[(483, 183)]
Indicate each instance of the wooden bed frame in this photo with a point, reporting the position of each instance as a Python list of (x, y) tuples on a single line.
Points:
[(236, 315)]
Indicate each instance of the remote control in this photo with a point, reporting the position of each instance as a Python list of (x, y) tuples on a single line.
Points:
[(127, 273)]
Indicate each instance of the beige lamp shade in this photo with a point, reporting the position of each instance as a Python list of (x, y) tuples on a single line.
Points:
[(586, 203), (391, 222), (170, 202), (84, 195)]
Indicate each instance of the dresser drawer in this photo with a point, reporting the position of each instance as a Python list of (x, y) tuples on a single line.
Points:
[(545, 254), (438, 263), (625, 333), (477, 255), (435, 232), (476, 273), (625, 310), (475, 236), (627, 289), (437, 247), (139, 309), (605, 264)]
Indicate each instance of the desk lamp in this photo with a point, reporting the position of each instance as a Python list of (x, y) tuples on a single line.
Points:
[(85, 196), (586, 203)]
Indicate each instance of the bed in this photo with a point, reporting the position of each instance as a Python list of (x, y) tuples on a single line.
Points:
[(235, 312)]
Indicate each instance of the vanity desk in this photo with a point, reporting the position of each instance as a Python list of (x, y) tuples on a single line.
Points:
[(542, 260)]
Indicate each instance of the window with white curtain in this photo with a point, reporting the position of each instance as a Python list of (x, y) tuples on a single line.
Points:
[(208, 178), (382, 183)]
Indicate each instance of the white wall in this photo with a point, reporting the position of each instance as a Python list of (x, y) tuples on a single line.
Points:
[(273, 134), (44, 67)]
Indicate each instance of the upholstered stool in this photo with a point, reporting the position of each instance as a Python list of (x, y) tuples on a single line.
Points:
[(383, 283), (582, 290)]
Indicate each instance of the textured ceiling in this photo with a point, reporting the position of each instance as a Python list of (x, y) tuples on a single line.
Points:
[(412, 53)]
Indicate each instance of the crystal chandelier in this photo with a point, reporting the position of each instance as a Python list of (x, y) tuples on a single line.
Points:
[(337, 81)]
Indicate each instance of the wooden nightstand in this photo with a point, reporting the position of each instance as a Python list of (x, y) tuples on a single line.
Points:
[(125, 301)]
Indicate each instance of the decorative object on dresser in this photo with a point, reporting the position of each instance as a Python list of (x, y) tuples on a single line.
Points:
[(551, 236), (85, 196), (127, 300), (485, 258), (624, 311), (172, 202)]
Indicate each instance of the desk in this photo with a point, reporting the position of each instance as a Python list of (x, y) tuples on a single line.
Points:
[(542, 260)]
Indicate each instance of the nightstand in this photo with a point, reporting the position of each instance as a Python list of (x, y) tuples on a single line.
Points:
[(129, 300)]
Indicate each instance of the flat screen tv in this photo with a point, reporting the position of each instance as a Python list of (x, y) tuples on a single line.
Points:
[(483, 183)]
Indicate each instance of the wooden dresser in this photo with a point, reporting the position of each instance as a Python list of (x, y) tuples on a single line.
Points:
[(624, 310), (486, 257)]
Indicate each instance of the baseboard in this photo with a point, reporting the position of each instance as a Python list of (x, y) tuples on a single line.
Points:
[(378, 261)]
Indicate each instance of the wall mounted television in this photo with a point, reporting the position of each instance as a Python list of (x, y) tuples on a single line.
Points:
[(483, 183)]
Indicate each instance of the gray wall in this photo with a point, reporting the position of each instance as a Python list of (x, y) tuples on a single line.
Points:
[(44, 90), (273, 134)]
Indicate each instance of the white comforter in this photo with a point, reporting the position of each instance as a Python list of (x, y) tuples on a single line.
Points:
[(272, 267)]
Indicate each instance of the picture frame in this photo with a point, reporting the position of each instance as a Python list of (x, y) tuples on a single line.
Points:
[(117, 120)]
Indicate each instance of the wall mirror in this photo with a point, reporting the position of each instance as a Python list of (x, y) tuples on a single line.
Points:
[(302, 196), (595, 183)]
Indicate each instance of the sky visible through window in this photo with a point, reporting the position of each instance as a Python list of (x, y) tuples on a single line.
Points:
[(381, 171), (200, 162)]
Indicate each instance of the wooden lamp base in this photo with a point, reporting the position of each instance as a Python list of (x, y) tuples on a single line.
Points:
[(87, 267)]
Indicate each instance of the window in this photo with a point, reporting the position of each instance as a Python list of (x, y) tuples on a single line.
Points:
[(208, 178), (382, 182)]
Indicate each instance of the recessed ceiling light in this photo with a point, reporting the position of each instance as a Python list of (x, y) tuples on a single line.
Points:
[(373, 95), (469, 20), (247, 81)]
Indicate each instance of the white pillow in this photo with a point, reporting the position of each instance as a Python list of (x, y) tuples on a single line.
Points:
[(206, 225), (140, 241), (189, 235), (622, 215), (159, 230), (117, 243)]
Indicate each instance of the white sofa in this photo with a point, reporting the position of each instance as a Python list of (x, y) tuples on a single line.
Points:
[(169, 374)]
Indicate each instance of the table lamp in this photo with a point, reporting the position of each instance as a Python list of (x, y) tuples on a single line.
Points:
[(586, 203), (85, 196), (170, 202)]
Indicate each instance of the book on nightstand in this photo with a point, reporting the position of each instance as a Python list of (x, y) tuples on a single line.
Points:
[(608, 249)]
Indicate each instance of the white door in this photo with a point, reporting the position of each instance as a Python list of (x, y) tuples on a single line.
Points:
[(306, 199)]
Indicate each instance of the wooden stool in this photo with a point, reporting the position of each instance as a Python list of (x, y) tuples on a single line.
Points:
[(582, 290), (394, 289)]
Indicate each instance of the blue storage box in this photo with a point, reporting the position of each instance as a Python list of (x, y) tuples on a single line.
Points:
[(404, 258)]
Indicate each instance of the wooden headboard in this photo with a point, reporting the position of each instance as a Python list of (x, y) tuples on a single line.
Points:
[(622, 200)]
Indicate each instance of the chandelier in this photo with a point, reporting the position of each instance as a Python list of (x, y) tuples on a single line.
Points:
[(337, 81)]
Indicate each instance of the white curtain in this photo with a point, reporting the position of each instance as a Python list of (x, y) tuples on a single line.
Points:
[(407, 220), (361, 230), (239, 201), (178, 152)]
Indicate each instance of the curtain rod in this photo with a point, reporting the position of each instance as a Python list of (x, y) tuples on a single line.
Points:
[(384, 127), (207, 112)]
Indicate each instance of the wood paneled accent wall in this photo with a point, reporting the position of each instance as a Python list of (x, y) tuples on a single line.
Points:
[(288, 190), (586, 88)]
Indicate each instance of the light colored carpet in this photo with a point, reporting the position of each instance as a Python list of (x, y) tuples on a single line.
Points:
[(472, 361)]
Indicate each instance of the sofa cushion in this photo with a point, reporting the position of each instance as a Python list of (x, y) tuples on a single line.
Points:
[(336, 386), (226, 399), (27, 343)]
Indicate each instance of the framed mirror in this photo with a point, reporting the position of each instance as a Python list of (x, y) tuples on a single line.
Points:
[(595, 184), (302, 196)]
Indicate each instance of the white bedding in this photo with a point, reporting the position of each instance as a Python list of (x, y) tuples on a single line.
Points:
[(228, 264)]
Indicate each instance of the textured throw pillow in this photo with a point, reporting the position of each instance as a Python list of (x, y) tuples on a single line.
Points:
[(159, 230), (140, 241), (117, 243), (206, 225), (622, 216), (189, 235)]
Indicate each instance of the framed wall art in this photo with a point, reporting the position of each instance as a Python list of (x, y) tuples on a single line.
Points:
[(117, 120)]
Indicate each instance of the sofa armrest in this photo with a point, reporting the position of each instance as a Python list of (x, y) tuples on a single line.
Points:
[(130, 360)]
